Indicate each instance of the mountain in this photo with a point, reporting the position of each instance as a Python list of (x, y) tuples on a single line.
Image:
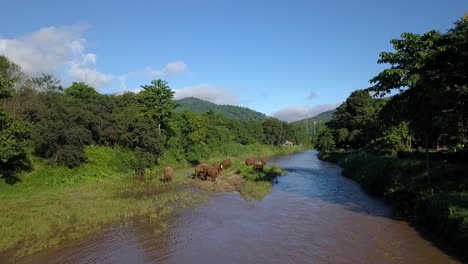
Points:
[(322, 117), (229, 111)]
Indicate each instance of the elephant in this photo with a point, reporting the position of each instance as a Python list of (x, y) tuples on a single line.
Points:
[(226, 164), (168, 173), (249, 161), (219, 166), (200, 171), (212, 172), (258, 166)]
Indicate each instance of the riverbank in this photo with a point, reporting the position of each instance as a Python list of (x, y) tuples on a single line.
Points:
[(438, 203), (251, 184), (54, 204)]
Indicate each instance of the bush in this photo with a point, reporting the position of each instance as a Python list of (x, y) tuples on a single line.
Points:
[(71, 156)]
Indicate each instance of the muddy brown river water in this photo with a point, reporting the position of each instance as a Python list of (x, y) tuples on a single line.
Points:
[(313, 215)]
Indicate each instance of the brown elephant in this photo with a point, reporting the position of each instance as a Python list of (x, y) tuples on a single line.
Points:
[(168, 173), (258, 166), (226, 164), (218, 166), (212, 172), (200, 171), (249, 161)]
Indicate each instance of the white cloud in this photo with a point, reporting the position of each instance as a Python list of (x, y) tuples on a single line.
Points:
[(55, 50), (294, 113), (209, 93), (172, 68), (85, 71)]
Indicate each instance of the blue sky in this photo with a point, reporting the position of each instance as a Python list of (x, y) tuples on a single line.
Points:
[(283, 58)]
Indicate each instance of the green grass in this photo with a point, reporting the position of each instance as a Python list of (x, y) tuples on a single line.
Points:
[(255, 190), (258, 184), (44, 220)]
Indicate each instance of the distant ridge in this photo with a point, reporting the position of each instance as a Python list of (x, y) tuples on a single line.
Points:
[(322, 117), (229, 111)]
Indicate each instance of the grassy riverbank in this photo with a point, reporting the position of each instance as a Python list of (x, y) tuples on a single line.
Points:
[(258, 184), (438, 203), (52, 204), (250, 184)]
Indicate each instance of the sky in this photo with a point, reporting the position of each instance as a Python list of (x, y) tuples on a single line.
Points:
[(288, 59)]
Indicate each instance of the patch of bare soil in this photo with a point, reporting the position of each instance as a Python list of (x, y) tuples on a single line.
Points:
[(226, 183)]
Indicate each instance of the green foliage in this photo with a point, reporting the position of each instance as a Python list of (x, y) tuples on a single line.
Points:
[(157, 103), (394, 140), (81, 91), (325, 141), (354, 120), (427, 72), (276, 132), (13, 158), (13, 133), (60, 134)]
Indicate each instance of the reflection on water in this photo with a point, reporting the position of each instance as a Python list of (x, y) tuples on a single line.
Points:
[(313, 215)]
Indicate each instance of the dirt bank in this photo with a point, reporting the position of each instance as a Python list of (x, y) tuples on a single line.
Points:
[(232, 182)]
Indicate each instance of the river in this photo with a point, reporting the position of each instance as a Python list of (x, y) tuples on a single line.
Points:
[(312, 215)]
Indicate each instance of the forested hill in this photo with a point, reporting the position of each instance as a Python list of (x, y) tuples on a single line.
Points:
[(324, 116), (230, 111)]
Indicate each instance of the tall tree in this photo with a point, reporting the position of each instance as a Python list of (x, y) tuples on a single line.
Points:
[(13, 133), (416, 74), (157, 103), (274, 130), (356, 115)]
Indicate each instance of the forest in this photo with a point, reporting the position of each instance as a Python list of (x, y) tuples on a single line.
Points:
[(405, 138), (41, 118)]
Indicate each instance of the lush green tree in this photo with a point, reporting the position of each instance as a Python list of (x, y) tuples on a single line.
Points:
[(416, 73), (13, 158), (342, 137), (325, 141), (357, 115), (140, 137), (274, 131), (157, 103), (299, 134), (60, 134), (194, 131), (13, 133), (81, 91)]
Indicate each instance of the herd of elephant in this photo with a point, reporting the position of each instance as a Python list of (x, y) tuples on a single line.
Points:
[(203, 171)]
